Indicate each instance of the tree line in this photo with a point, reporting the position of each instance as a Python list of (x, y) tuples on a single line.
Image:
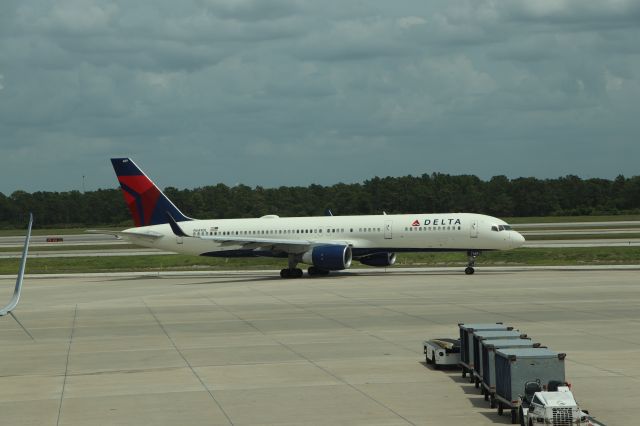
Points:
[(499, 196)]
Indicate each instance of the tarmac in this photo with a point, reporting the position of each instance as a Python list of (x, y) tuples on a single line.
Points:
[(252, 349)]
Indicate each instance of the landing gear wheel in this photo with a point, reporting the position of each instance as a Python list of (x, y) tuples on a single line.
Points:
[(291, 273), (471, 255), (433, 361)]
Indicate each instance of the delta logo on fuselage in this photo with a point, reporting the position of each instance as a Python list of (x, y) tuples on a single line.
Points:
[(436, 222)]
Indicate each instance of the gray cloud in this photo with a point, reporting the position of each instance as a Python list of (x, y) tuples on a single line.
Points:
[(293, 92)]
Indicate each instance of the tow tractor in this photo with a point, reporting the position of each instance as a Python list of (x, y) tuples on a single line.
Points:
[(552, 404), (438, 352)]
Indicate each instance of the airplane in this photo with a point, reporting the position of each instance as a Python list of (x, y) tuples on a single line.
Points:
[(325, 243), (18, 288)]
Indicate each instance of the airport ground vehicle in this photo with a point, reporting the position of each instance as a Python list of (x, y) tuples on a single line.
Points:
[(438, 352), (466, 342), (516, 367), (552, 404), (488, 372), (481, 336)]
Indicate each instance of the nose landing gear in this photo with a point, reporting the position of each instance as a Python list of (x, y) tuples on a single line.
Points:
[(472, 255)]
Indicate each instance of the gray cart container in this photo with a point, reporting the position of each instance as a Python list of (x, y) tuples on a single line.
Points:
[(479, 336), (489, 348), (515, 367), (466, 341)]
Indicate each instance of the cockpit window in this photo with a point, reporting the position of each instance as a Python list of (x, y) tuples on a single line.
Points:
[(500, 228), (507, 227), (494, 228)]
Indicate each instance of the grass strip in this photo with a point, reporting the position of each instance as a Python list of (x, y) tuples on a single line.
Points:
[(519, 257)]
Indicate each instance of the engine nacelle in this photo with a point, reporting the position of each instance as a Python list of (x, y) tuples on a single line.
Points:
[(379, 259), (330, 257)]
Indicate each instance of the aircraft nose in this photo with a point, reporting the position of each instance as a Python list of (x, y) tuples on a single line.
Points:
[(517, 240)]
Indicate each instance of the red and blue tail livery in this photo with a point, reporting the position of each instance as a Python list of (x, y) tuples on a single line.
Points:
[(147, 204)]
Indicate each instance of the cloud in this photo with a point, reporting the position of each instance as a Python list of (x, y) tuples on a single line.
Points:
[(324, 90)]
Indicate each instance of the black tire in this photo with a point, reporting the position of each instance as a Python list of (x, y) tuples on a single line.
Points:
[(477, 383), (426, 358), (521, 415), (486, 394), (514, 416), (530, 422), (500, 408), (469, 270), (492, 401), (464, 372), (433, 361)]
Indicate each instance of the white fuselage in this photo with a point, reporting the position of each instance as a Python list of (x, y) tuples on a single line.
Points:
[(365, 234)]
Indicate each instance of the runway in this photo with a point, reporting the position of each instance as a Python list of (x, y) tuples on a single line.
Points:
[(250, 348)]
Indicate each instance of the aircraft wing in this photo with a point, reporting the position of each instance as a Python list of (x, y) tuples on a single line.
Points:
[(18, 289), (151, 235)]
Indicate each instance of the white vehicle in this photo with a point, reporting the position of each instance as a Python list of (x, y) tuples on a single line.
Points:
[(326, 243), (442, 352), (554, 406)]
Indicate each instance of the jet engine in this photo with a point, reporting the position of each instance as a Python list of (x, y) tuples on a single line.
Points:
[(379, 259), (330, 257)]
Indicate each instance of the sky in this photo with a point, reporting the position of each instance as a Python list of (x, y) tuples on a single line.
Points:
[(295, 92)]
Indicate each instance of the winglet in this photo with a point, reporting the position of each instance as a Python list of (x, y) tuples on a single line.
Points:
[(18, 289), (175, 227)]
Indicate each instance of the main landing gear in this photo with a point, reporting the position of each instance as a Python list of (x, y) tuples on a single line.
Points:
[(472, 255), (291, 271)]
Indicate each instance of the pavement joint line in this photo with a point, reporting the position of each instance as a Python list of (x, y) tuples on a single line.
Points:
[(66, 367), (347, 273), (326, 370), (368, 333), (362, 302), (546, 325), (193, 371)]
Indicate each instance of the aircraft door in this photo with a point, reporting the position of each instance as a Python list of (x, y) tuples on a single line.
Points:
[(474, 229), (388, 229)]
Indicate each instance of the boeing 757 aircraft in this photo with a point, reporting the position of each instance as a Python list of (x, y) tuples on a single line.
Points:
[(326, 243)]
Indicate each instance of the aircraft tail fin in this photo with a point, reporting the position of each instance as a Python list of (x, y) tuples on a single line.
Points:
[(18, 289), (146, 202)]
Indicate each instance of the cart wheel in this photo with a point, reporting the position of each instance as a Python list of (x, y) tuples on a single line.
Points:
[(486, 394), (464, 372), (426, 358), (433, 361), (492, 401), (477, 383), (514, 416), (521, 412), (500, 408)]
